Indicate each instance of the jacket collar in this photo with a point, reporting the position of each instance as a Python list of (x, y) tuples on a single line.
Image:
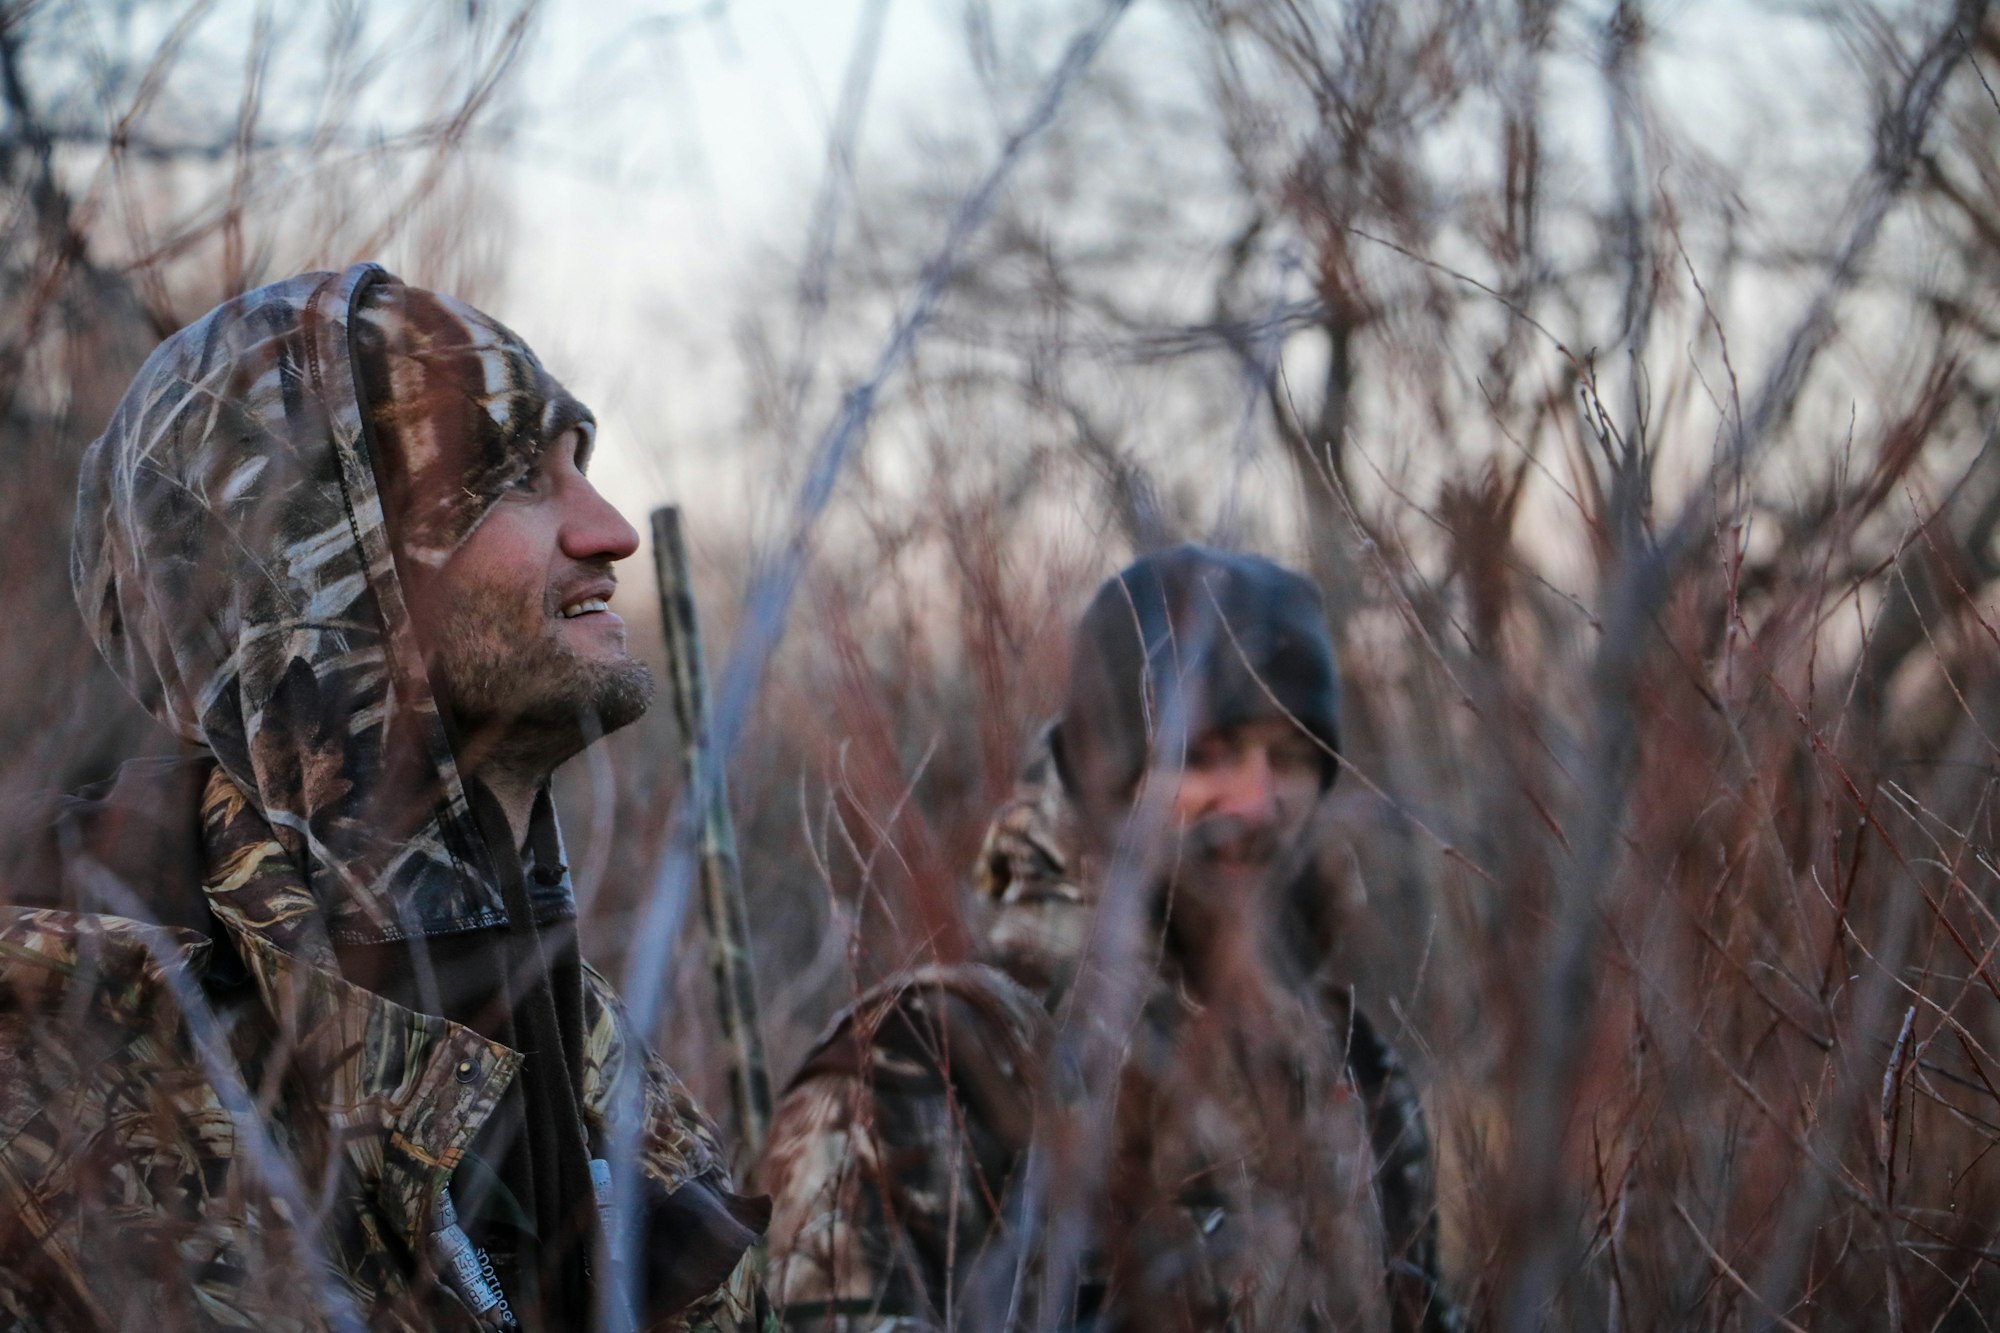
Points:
[(402, 1092)]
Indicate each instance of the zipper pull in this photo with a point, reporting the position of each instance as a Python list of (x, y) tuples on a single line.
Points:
[(600, 1189), (468, 1280)]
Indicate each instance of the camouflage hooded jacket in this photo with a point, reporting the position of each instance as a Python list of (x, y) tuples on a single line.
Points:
[(896, 1153), (203, 1124)]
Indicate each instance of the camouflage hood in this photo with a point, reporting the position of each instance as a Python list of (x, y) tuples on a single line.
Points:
[(233, 559)]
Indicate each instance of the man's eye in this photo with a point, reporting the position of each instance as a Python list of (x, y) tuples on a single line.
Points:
[(527, 483), (1209, 754), (1295, 756)]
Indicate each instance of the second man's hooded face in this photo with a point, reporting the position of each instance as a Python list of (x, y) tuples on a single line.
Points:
[(1240, 800), (1203, 689)]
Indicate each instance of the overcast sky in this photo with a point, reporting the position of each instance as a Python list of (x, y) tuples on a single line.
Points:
[(667, 156), (671, 157)]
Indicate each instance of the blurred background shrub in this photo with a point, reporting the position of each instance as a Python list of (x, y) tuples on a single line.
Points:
[(1625, 374)]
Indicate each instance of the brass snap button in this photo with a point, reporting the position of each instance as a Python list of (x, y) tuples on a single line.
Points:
[(467, 1071)]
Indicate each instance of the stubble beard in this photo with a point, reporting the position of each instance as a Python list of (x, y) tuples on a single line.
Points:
[(1222, 890), (519, 692)]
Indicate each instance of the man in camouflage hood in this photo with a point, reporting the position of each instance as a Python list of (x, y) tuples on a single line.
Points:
[(298, 1036), (1263, 1163)]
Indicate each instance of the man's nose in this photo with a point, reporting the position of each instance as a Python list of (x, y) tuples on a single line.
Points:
[(1251, 794), (593, 529)]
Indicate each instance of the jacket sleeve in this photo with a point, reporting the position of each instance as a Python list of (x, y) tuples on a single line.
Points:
[(697, 1247), (834, 1248), (892, 1149), (737, 1306)]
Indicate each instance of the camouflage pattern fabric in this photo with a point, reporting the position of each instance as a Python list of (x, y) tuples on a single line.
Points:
[(894, 1147), (1029, 871), (212, 1128), (252, 1142), (891, 1153)]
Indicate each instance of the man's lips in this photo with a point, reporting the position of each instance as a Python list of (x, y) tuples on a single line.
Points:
[(590, 602), (1234, 844)]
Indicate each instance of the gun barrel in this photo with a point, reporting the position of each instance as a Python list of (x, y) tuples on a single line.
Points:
[(723, 909)]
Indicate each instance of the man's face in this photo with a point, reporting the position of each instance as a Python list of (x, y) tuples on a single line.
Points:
[(519, 634), (1241, 803)]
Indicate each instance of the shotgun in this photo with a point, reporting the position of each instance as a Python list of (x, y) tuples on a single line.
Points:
[(722, 906)]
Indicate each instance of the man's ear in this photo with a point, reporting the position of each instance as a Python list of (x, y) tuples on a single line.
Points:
[(1084, 798), (1059, 752)]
